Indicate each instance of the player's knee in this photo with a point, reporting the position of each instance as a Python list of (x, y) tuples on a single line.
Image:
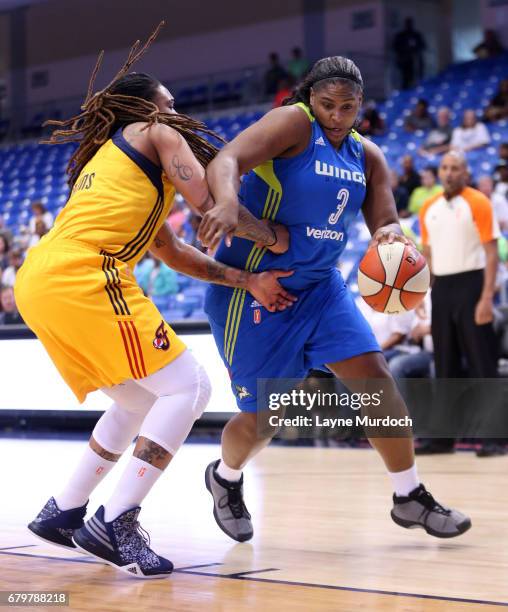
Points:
[(203, 391), (117, 427)]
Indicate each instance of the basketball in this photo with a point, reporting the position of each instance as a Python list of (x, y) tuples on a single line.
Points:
[(393, 278)]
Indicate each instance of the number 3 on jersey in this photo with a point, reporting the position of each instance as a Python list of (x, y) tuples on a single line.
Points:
[(342, 197)]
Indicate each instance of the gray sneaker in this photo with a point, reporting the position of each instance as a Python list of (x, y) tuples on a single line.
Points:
[(420, 509), (229, 509)]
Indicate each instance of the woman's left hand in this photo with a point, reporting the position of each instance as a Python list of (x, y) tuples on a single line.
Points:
[(387, 235)]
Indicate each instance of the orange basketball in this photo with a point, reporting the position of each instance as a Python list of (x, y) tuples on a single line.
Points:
[(393, 278)]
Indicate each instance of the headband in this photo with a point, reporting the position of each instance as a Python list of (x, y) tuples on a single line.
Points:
[(341, 75)]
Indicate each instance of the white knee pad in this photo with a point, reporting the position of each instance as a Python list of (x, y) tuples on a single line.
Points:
[(116, 428), (120, 423), (204, 392), (183, 390)]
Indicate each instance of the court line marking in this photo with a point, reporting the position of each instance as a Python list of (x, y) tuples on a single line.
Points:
[(314, 585), (189, 567), (242, 574), (73, 560), (351, 589)]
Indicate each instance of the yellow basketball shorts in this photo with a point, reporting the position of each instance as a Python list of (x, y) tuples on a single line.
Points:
[(92, 317)]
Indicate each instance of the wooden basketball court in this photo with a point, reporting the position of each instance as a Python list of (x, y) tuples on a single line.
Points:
[(323, 538)]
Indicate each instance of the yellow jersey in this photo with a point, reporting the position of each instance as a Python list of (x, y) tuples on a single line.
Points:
[(76, 289), (118, 203)]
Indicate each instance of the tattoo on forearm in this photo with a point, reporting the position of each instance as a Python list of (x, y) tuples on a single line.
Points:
[(243, 276), (215, 271), (251, 228), (178, 168), (159, 243), (151, 452)]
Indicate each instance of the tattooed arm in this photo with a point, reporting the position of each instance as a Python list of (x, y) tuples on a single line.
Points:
[(188, 260), (188, 177)]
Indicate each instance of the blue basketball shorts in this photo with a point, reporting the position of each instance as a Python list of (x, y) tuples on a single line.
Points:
[(323, 326)]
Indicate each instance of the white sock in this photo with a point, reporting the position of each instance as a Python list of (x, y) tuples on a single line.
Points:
[(132, 488), (224, 471), (405, 482), (90, 472)]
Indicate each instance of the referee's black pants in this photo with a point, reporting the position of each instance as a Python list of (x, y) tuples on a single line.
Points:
[(458, 341), (454, 331)]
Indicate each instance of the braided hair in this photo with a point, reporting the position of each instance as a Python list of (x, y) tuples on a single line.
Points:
[(335, 70), (128, 98)]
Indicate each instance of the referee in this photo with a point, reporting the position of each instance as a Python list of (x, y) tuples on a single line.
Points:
[(459, 235)]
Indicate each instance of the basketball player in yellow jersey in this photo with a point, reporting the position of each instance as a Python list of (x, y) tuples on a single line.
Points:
[(77, 292)]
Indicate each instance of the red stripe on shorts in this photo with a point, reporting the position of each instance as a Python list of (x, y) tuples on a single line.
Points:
[(136, 336), (133, 351), (126, 348)]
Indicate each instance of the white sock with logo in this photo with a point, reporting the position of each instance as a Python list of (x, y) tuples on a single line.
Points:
[(132, 488), (224, 471), (91, 470), (406, 481)]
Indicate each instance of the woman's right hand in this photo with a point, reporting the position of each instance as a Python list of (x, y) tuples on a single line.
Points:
[(218, 222), (267, 290)]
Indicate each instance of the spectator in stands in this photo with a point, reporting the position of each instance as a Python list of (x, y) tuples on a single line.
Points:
[(501, 176), (273, 75), (142, 272), (162, 280), (40, 223), (417, 361), (391, 331), (498, 107), (179, 214), (22, 238), (485, 184), (439, 138), (419, 118), (15, 261), (298, 66), (408, 46), (400, 194), (489, 47), (410, 179), (5, 230), (472, 134), (284, 90), (9, 314), (503, 151), (459, 236), (4, 252), (371, 123), (429, 187), (194, 241)]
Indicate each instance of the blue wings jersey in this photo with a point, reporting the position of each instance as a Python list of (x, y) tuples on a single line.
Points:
[(316, 195)]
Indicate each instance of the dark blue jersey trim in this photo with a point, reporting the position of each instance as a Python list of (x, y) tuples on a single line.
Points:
[(152, 171)]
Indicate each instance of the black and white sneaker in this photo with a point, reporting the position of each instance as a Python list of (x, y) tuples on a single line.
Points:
[(57, 526), (229, 509), (420, 509), (123, 544)]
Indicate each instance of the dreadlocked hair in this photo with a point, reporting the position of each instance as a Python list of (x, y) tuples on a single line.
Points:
[(336, 70), (126, 99)]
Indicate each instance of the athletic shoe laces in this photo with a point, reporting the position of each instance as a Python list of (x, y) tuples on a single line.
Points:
[(235, 502), (141, 534), (426, 499)]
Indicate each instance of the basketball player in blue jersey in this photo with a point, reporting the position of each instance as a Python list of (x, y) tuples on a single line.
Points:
[(307, 168)]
